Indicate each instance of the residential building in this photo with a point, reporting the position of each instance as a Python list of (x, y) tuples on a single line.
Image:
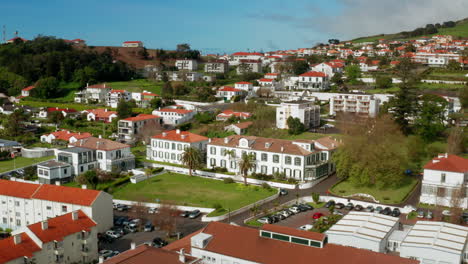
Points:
[(189, 65), (228, 93), (66, 112), (239, 128), (23, 204), (110, 155), (237, 57), (145, 254), (249, 66), (170, 145), (313, 80), (115, 96), (273, 76), (268, 83), (362, 104), (132, 44), (246, 86), (25, 92), (64, 135), (329, 68), (226, 114), (445, 181), (102, 115), (363, 230), (93, 94), (219, 66), (306, 111), (10, 146), (69, 238), (53, 171), (129, 128), (174, 116), (145, 99), (303, 160)]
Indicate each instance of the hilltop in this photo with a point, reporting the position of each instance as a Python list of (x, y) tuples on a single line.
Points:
[(460, 30)]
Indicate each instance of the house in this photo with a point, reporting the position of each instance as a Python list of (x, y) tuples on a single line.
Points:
[(236, 58), (267, 83), (226, 114), (53, 171), (69, 238), (66, 112), (229, 93), (313, 80), (174, 116), (246, 86), (10, 146), (64, 135), (169, 146), (100, 114), (93, 94), (357, 103), (445, 178), (307, 112), (218, 66), (25, 92), (239, 128), (145, 99), (23, 204), (115, 96), (273, 76), (7, 108), (363, 230), (303, 160), (249, 66), (16, 39), (329, 68), (145, 254), (132, 44), (109, 155), (130, 128), (190, 65)]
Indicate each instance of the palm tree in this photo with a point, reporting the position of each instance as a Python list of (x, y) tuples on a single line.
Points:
[(191, 158), (245, 164)]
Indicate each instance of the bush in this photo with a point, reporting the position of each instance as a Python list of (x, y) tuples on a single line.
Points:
[(261, 176), (316, 197), (228, 180), (157, 170), (266, 186), (292, 181), (217, 206)]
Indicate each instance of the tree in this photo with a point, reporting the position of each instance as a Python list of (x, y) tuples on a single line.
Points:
[(167, 90), (383, 82), (454, 65), (89, 178), (148, 173), (337, 79), (156, 102), (299, 67), (166, 218), (14, 124), (192, 159), (457, 200), (353, 72), (55, 117), (455, 141), (124, 109), (316, 197), (246, 163), (429, 122), (183, 47), (463, 95), (46, 88), (295, 126)]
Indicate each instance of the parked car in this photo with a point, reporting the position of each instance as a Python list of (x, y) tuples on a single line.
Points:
[(378, 209), (286, 213), (194, 214), (446, 213), (159, 242), (122, 207), (409, 208), (134, 223), (105, 238), (130, 229), (105, 253), (339, 206), (185, 214), (113, 234), (119, 230), (358, 207), (114, 205), (317, 215), (300, 207), (369, 208), (396, 212), (330, 203), (283, 192), (420, 214), (264, 220), (386, 211), (429, 215), (336, 212), (149, 227), (295, 210), (349, 206), (274, 219), (307, 206), (152, 210), (280, 216), (306, 227)]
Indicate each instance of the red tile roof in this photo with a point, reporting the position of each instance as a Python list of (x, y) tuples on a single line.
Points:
[(9, 251), (313, 74), (117, 91), (99, 144), (178, 111), (62, 226), (66, 135), (229, 113), (229, 89), (18, 189), (243, 125), (293, 232), (182, 136), (247, 54), (29, 88), (133, 41), (101, 113), (265, 80), (452, 163), (141, 117), (149, 94), (145, 254), (66, 110)]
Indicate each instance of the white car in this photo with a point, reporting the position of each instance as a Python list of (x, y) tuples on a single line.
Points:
[(264, 220), (295, 210), (306, 227), (134, 223), (285, 213), (152, 210), (446, 213), (113, 234)]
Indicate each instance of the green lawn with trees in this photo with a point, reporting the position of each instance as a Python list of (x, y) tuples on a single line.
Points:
[(138, 85), (20, 162)]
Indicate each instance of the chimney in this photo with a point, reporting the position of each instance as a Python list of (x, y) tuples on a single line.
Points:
[(101, 259), (74, 215), (182, 255), (100, 136), (105, 110), (17, 239), (84, 187), (226, 140), (178, 131), (44, 225), (132, 245), (209, 140), (87, 84), (164, 134), (104, 85), (282, 148), (57, 183)]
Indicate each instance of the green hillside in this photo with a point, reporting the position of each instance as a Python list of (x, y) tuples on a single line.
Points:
[(460, 30)]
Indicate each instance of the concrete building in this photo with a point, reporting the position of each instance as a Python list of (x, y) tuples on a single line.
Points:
[(25, 92), (315, 81), (246, 86), (69, 238), (363, 230), (115, 96), (238, 57), (219, 66), (189, 65), (174, 116), (361, 104), (132, 44), (329, 68), (53, 171), (170, 145), (23, 204), (93, 94), (306, 111), (249, 66), (130, 128)]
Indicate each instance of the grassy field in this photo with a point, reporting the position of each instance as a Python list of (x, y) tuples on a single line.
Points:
[(306, 136), (390, 195), (138, 85), (76, 106), (193, 191), (20, 163)]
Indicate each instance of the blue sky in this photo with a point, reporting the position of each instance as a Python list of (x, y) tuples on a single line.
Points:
[(209, 25)]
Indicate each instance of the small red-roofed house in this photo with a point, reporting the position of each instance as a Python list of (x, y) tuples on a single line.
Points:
[(229, 93), (239, 128), (100, 114), (66, 112), (132, 44), (25, 92), (226, 114), (266, 82), (246, 86), (64, 135)]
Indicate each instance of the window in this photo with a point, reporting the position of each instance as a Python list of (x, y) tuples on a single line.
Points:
[(166, 145), (223, 164), (233, 164), (81, 168), (173, 146), (155, 153), (18, 222), (281, 237), (160, 154), (287, 160), (297, 161), (179, 146), (5, 220), (49, 208), (173, 156), (160, 144), (276, 158), (17, 203), (213, 150), (64, 208), (265, 234), (213, 162), (65, 171), (166, 155), (263, 169), (442, 178), (264, 157), (18, 214), (300, 241), (99, 155)]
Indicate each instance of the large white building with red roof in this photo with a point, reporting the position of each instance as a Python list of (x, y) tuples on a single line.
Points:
[(23, 204), (174, 115), (132, 44), (445, 176), (329, 68), (236, 58), (170, 145), (313, 80)]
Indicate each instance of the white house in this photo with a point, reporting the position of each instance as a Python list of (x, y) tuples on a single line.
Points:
[(329, 68), (69, 238), (268, 83), (444, 176), (23, 204), (236, 58), (306, 111), (313, 80), (357, 103), (228, 93), (115, 96), (53, 171), (130, 128), (96, 93), (246, 86), (226, 114), (132, 44), (170, 145), (190, 65), (25, 92), (174, 116), (100, 114), (302, 160), (64, 135), (66, 112), (239, 128)]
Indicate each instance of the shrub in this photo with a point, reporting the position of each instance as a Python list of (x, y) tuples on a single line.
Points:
[(291, 180), (217, 206), (157, 170), (228, 180), (316, 197), (266, 186), (261, 176)]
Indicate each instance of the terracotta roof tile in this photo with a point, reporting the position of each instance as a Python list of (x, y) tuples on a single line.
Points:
[(243, 125), (18, 189), (145, 254), (29, 88), (101, 113), (141, 117), (452, 163), (313, 74), (64, 194), (172, 110), (66, 135), (9, 251), (229, 89), (182, 136)]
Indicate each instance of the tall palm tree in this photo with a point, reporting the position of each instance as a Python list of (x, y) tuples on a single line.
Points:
[(245, 164), (191, 158)]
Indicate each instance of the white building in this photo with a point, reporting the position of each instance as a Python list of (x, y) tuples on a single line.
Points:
[(23, 204), (436, 242), (174, 116), (226, 114), (313, 80), (236, 58), (190, 65), (219, 66), (228, 93), (363, 230), (53, 171), (362, 104), (25, 92), (246, 86), (249, 66), (130, 128), (132, 44), (64, 135), (307, 112), (170, 145), (69, 238), (303, 160), (268, 83), (93, 94), (329, 68), (443, 175), (239, 128), (115, 96), (100, 114)]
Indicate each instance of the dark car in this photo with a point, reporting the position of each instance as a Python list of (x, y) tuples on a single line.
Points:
[(378, 209), (194, 214), (149, 226), (339, 206), (465, 217), (274, 218), (159, 242), (369, 208), (280, 216), (386, 211), (283, 192), (105, 238), (301, 207), (185, 213), (396, 212), (330, 203), (358, 207), (307, 206), (349, 206)]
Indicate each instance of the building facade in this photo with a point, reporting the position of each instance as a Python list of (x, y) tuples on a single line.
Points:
[(189, 65), (307, 112), (361, 104), (315, 81), (130, 128), (220, 66)]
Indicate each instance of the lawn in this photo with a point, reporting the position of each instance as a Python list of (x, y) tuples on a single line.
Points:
[(193, 191), (76, 106), (138, 85), (20, 162), (306, 136), (390, 195)]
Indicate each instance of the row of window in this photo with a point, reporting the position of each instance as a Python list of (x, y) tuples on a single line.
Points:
[(167, 145), (166, 155)]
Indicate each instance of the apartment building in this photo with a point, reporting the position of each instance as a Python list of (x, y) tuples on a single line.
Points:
[(303, 160), (69, 238), (129, 128), (246, 86), (315, 81), (115, 96), (361, 104), (219, 66), (170, 145), (306, 111), (23, 204), (444, 177), (189, 65), (249, 66), (96, 93)]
